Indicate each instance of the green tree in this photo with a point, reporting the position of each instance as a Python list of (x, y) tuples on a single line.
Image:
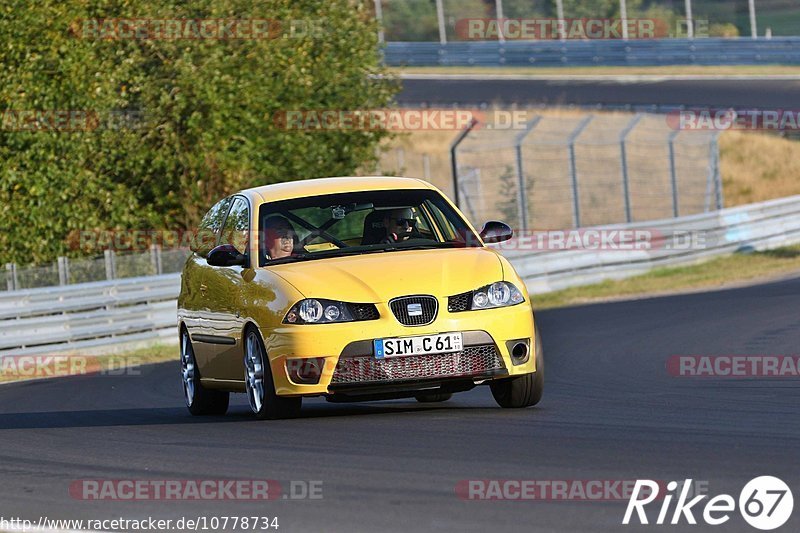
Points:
[(410, 20), (416, 20), (575, 9), (201, 112), (525, 8)]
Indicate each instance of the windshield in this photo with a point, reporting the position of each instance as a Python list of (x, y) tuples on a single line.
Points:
[(334, 225)]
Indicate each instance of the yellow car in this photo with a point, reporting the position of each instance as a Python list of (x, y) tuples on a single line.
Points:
[(353, 289)]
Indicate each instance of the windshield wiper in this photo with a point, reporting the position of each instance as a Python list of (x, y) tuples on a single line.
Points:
[(344, 252), (318, 255)]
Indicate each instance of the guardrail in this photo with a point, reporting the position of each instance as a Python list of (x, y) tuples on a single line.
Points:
[(76, 317), (706, 51), (672, 242)]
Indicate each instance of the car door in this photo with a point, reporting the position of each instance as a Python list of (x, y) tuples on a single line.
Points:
[(224, 287), (197, 306)]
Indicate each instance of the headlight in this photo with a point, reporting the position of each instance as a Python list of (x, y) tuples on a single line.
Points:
[(499, 294), (319, 311)]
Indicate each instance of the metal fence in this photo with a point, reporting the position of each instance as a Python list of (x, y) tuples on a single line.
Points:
[(111, 266), (584, 170), (88, 315)]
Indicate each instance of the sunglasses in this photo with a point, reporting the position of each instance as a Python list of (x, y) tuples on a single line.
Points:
[(403, 221)]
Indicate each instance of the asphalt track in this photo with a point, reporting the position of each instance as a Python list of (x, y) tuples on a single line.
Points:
[(611, 92), (610, 412)]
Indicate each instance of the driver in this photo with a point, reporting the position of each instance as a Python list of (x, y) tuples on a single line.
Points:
[(279, 237), (399, 224)]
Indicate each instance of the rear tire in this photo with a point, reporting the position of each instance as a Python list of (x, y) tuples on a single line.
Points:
[(199, 400), (525, 390), (433, 398), (264, 402)]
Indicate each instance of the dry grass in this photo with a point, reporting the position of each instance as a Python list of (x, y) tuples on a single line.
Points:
[(758, 167)]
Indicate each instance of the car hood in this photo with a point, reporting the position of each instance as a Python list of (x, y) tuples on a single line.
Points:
[(381, 276)]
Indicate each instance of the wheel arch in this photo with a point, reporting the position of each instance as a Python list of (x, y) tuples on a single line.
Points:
[(248, 325)]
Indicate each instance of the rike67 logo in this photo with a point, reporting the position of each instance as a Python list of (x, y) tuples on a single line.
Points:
[(765, 503)]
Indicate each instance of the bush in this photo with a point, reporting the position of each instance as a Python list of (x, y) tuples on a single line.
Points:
[(183, 122)]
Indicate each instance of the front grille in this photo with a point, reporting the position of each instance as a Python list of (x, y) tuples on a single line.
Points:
[(472, 361), (428, 304), (364, 311), (459, 302)]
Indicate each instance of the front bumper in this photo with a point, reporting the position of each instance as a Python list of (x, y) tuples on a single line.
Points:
[(357, 366), (349, 363)]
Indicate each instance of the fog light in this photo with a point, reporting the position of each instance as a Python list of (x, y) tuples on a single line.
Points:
[(332, 313), (519, 350), (305, 371)]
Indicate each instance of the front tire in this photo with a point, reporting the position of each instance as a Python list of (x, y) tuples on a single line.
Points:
[(264, 402), (199, 400), (525, 390)]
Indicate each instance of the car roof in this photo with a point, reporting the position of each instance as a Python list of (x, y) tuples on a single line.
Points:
[(314, 187)]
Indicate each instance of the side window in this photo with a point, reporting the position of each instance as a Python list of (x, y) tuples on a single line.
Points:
[(208, 231), (237, 226)]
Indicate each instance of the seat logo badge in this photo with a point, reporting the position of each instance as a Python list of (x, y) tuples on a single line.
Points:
[(414, 309)]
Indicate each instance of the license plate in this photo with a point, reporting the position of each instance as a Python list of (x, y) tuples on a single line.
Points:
[(424, 344)]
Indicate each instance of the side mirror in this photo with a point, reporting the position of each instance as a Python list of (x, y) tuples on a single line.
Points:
[(494, 231), (226, 255)]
